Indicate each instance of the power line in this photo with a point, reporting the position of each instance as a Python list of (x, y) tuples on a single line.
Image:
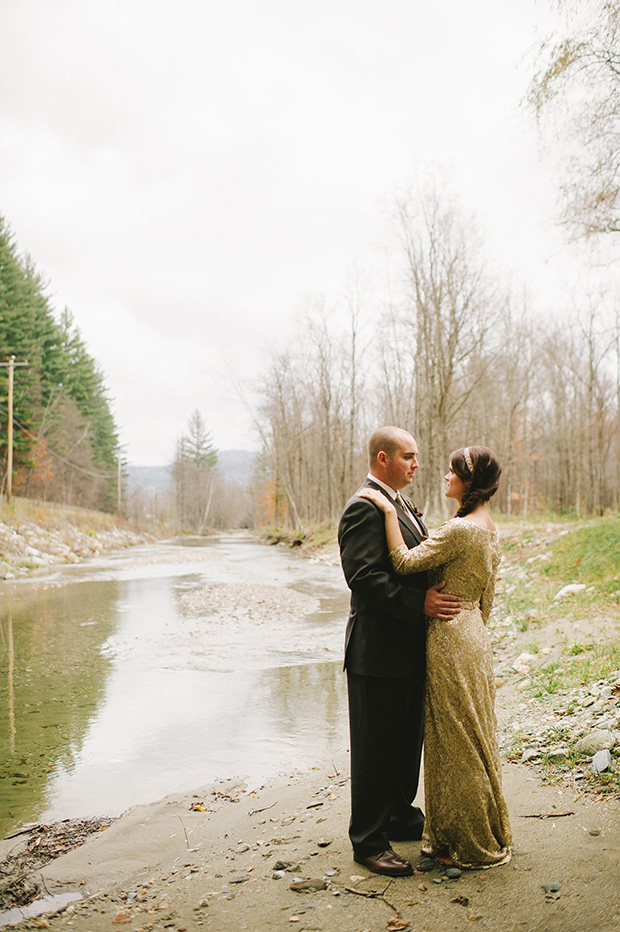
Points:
[(59, 456)]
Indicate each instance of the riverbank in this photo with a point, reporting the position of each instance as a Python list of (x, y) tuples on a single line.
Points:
[(227, 857), (36, 535)]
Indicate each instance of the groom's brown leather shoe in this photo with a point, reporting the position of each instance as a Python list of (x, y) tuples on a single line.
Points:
[(386, 862)]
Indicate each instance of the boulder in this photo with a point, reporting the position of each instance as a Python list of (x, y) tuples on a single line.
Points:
[(598, 740)]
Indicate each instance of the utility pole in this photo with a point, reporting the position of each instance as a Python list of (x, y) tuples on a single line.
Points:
[(119, 485), (9, 458)]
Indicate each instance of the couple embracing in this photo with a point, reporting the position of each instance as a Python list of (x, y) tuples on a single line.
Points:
[(419, 664)]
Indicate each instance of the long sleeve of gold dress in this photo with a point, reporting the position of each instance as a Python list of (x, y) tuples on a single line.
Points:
[(466, 815)]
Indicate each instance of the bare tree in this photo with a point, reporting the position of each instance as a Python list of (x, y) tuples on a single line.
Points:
[(577, 89), (311, 404), (445, 319)]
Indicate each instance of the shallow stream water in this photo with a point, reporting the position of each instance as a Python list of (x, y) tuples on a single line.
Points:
[(164, 668)]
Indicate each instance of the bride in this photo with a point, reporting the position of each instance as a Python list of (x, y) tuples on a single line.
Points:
[(466, 817)]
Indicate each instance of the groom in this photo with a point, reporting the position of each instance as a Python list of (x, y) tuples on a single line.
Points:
[(385, 659)]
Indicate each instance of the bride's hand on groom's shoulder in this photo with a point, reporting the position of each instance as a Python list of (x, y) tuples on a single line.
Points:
[(378, 498)]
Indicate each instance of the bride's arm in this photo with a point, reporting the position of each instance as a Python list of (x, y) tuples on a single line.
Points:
[(432, 552), (392, 527)]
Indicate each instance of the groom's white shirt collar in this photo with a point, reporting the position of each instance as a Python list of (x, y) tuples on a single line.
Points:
[(390, 491), (387, 488)]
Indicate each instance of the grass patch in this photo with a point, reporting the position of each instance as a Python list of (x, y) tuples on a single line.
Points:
[(310, 538), (535, 570), (52, 516), (589, 554), (578, 648), (594, 662), (572, 772)]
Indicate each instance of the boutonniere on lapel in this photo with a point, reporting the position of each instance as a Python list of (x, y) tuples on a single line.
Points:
[(412, 507)]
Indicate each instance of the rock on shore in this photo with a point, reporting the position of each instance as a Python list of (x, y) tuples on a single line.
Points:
[(26, 545)]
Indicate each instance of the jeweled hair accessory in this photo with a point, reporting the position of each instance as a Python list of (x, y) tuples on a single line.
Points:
[(470, 465)]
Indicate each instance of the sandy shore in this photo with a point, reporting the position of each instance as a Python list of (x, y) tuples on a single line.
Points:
[(278, 857)]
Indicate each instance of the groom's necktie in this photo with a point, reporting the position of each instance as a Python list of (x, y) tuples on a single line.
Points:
[(405, 507)]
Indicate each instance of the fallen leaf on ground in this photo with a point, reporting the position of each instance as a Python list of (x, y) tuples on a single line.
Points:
[(461, 900), (397, 925)]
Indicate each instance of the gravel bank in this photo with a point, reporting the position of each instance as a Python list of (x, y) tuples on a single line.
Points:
[(27, 545)]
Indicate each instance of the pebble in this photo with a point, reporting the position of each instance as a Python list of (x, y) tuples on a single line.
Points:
[(426, 864), (239, 878), (308, 886), (569, 590), (601, 761), (241, 848), (551, 886), (453, 873)]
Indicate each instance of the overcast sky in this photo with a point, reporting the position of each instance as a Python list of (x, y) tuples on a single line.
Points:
[(184, 173)]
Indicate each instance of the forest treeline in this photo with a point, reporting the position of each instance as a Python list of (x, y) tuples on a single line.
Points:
[(448, 354), (442, 350), (65, 438)]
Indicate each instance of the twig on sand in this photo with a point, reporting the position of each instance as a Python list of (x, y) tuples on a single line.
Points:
[(374, 895), (546, 815), (264, 809), (189, 848)]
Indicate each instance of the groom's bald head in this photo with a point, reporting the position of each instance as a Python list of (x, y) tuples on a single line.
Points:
[(387, 440)]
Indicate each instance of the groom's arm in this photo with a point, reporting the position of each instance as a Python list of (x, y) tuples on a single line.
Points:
[(363, 551)]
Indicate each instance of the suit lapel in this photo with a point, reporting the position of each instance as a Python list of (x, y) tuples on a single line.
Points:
[(417, 518), (404, 517)]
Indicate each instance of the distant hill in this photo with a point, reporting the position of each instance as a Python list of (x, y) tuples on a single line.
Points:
[(235, 464), (149, 477)]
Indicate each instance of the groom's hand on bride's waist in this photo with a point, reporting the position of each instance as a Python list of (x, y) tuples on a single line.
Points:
[(441, 605)]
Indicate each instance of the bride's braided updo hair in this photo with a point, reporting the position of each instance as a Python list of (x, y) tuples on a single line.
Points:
[(480, 467)]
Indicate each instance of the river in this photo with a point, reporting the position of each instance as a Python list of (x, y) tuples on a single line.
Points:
[(163, 668)]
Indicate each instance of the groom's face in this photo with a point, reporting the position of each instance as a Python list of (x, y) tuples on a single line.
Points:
[(401, 466)]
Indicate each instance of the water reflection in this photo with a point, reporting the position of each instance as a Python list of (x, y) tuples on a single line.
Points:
[(112, 696), (52, 679)]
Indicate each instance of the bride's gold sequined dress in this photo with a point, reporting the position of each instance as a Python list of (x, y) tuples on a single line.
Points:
[(465, 810)]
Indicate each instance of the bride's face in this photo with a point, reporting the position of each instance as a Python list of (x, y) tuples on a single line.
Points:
[(455, 487)]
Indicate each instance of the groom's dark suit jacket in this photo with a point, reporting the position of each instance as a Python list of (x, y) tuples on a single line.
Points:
[(386, 629)]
